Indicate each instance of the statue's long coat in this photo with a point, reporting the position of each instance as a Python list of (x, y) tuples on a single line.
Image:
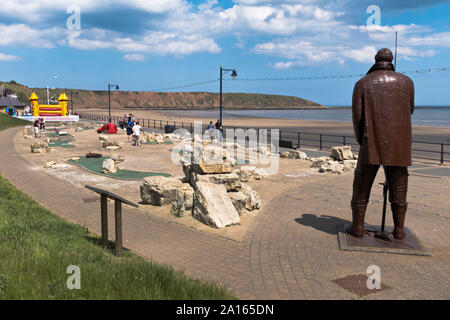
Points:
[(383, 102)]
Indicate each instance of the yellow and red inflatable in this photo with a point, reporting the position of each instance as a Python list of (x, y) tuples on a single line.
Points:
[(46, 110)]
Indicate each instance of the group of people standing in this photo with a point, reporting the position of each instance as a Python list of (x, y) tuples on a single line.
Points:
[(216, 126), (133, 129), (39, 128)]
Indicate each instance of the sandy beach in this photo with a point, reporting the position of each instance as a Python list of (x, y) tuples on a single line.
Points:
[(420, 133)]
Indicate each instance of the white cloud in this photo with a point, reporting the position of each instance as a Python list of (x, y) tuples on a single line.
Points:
[(24, 35), (134, 57), (158, 42), (362, 55), (298, 32), (8, 57), (34, 11)]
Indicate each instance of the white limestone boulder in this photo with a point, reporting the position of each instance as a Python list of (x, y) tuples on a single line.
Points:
[(318, 162), (118, 158), (253, 199), (349, 165), (213, 159), (108, 166), (229, 180), (250, 173), (332, 167), (107, 144), (184, 201), (213, 207), (39, 147), (49, 164), (294, 154), (239, 200), (341, 153), (113, 148), (160, 191)]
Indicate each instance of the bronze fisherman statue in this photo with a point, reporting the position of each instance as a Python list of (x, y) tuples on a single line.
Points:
[(383, 102)]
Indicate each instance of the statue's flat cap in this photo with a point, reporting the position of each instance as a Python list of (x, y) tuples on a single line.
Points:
[(384, 55)]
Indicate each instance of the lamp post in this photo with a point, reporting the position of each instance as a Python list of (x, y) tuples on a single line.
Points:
[(233, 76), (71, 99), (109, 98)]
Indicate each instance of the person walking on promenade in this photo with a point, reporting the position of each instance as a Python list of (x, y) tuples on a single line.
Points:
[(383, 102)]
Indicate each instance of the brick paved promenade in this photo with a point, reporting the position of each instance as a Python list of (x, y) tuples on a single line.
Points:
[(291, 250)]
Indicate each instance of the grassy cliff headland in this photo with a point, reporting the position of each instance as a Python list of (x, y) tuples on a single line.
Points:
[(86, 99)]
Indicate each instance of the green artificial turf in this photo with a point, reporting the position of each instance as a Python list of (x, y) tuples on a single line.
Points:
[(95, 165), (55, 135), (55, 143), (154, 142)]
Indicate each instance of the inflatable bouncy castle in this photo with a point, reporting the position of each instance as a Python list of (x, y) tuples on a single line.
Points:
[(43, 110)]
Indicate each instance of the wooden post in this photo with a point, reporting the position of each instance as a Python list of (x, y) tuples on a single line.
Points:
[(118, 216), (104, 220)]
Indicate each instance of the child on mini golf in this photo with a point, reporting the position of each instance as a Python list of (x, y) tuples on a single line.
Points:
[(137, 134)]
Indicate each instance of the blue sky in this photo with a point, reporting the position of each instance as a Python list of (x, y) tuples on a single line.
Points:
[(153, 44)]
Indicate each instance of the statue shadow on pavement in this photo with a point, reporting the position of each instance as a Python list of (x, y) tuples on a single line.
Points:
[(327, 224)]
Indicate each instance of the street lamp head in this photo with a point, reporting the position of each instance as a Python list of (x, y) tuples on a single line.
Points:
[(233, 74), (117, 88)]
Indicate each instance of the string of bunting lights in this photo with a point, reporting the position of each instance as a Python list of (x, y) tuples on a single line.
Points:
[(429, 70)]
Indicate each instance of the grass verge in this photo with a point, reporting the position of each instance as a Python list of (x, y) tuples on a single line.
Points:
[(10, 122)]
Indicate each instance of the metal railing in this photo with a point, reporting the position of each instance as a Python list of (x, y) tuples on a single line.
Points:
[(421, 150)]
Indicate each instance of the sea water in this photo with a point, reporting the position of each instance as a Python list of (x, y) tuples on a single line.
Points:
[(423, 116)]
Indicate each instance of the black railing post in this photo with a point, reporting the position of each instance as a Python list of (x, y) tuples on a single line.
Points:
[(320, 142), (298, 139), (343, 138), (442, 153)]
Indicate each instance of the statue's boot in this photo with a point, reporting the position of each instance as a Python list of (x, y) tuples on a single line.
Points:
[(398, 214), (357, 227)]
